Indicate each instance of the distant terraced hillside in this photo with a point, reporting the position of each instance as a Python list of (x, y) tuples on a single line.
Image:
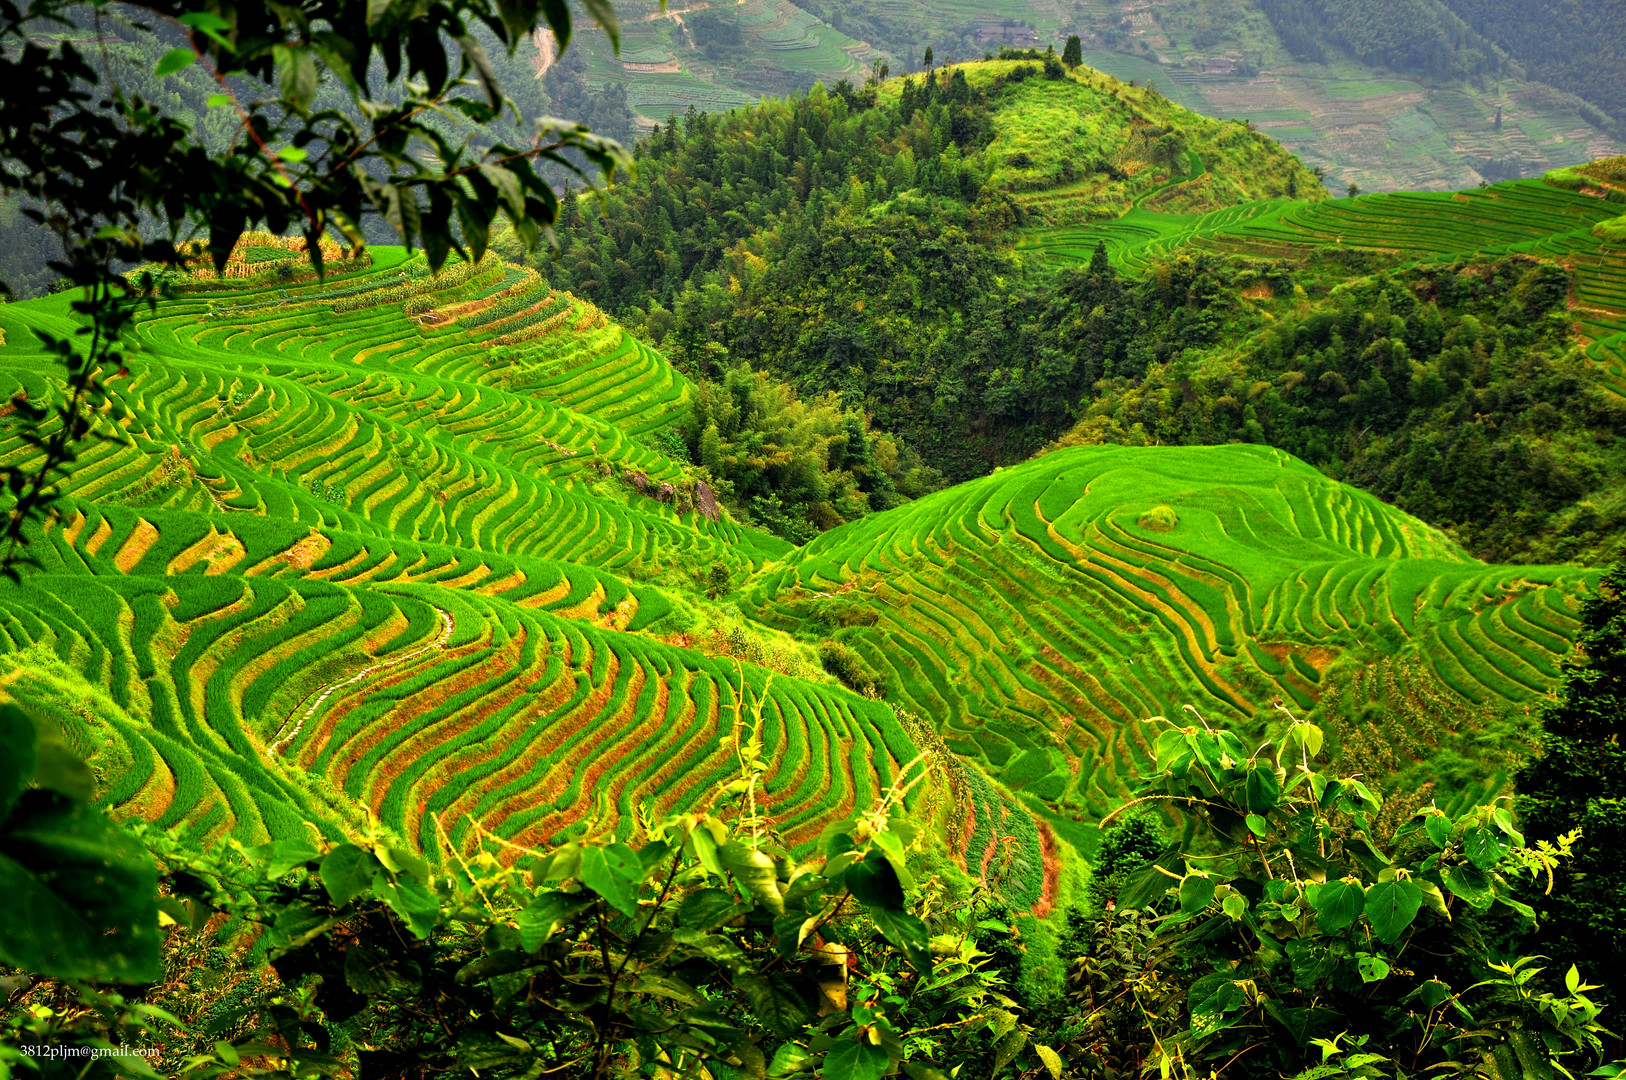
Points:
[(1563, 218), (1038, 614)]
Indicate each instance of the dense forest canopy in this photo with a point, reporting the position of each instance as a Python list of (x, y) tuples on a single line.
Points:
[(859, 240)]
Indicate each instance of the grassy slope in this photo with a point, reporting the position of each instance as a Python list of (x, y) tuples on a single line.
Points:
[(1051, 137)]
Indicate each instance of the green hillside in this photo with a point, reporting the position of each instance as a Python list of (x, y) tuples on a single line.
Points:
[(366, 548), (1039, 614)]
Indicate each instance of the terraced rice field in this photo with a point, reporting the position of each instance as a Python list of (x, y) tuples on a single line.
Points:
[(363, 546), (1522, 217), (1040, 613)]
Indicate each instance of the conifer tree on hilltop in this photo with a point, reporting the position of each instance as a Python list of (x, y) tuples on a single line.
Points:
[(1072, 54), (1580, 782)]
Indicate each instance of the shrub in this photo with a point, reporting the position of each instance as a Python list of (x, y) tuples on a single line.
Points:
[(1159, 519)]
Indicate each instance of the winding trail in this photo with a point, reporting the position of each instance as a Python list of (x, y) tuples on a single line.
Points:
[(446, 628)]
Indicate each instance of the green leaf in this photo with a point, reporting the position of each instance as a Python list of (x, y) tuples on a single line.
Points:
[(874, 883), (1235, 906), (907, 933), (851, 1060), (792, 929), (1338, 904), (18, 736), (1258, 826), (707, 909), (296, 76), (1471, 884), (413, 902), (81, 895), (1196, 893), (538, 919), (1372, 968), (1483, 847), (755, 872), (508, 189), (1261, 789), (347, 872), (1006, 1049), (613, 872), (788, 1060), (292, 154), (1438, 827), (776, 1002), (1390, 908), (280, 856), (178, 59), (1052, 1060)]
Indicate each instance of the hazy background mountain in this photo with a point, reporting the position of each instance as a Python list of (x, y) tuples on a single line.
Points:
[(1388, 94)]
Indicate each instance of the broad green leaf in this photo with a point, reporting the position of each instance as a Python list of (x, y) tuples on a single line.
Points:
[(1258, 826), (792, 929), (292, 154), (1390, 908), (412, 901), (707, 909), (907, 933), (1433, 898), (538, 919), (789, 1060), (81, 895), (1471, 884), (508, 189), (175, 60), (1372, 968), (1438, 827), (777, 1002), (874, 883), (1483, 847), (17, 735), (296, 75), (1261, 788), (1572, 979), (1006, 1049), (280, 856), (1196, 893), (852, 1060), (1235, 906), (347, 872), (1052, 1060), (613, 872), (756, 873), (1338, 904), (705, 849)]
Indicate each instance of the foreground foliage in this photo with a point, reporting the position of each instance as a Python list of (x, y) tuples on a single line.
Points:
[(1579, 782)]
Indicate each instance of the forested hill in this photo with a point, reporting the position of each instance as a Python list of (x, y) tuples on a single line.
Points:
[(860, 239)]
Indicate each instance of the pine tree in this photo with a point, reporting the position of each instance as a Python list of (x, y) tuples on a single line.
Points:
[(1073, 54), (1580, 782), (926, 62)]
